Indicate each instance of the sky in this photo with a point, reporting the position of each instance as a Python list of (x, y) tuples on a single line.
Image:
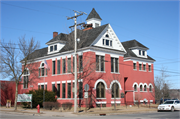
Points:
[(155, 24)]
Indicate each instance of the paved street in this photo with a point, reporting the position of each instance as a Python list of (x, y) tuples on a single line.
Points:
[(151, 115)]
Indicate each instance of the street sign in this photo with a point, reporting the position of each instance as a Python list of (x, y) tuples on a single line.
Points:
[(86, 95), (86, 87), (24, 98)]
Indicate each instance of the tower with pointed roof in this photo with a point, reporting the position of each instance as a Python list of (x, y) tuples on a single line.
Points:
[(94, 19)]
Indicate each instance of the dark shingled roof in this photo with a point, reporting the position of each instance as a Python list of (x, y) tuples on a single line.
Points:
[(93, 14), (86, 39), (133, 43), (60, 37)]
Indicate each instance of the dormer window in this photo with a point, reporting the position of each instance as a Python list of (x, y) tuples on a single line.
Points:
[(51, 48), (55, 47), (143, 53), (139, 52)]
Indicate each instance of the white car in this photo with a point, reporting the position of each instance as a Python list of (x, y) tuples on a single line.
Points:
[(170, 105)]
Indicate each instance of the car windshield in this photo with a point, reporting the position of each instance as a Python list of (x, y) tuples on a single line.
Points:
[(169, 102)]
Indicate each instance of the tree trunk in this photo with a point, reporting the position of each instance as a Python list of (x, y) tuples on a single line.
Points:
[(16, 94)]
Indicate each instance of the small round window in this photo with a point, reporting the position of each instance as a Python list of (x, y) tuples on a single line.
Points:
[(107, 35)]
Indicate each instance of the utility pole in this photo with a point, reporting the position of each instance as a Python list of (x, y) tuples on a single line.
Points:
[(75, 52)]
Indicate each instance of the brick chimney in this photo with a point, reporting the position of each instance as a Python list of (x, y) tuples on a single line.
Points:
[(55, 34), (87, 27)]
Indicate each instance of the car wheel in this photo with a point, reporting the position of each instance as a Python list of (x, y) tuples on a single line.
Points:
[(172, 109), (158, 110)]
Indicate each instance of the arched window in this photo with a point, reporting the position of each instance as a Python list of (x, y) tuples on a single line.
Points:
[(100, 90), (145, 88), (135, 87), (150, 88), (115, 90), (141, 88), (42, 70), (107, 35), (25, 78)]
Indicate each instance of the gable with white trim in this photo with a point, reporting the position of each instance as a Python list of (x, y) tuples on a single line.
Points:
[(108, 39)]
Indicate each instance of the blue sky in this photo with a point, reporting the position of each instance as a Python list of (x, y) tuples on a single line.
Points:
[(153, 23)]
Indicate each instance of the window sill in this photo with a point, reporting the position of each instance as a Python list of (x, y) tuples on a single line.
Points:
[(100, 98), (116, 98), (135, 69), (42, 76), (101, 71), (149, 71), (115, 73)]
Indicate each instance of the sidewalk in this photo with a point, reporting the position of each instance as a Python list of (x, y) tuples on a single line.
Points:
[(34, 112), (91, 112)]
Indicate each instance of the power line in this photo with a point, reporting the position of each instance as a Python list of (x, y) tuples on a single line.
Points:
[(32, 9), (25, 30)]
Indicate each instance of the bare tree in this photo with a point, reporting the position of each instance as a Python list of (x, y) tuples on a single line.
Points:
[(161, 86), (114, 91), (12, 55)]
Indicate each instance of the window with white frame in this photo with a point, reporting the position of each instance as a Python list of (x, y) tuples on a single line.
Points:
[(80, 63), (53, 48), (144, 67), (26, 78), (42, 70), (53, 67), (107, 41), (64, 65), (63, 90), (135, 87), (115, 90), (149, 67), (58, 90), (140, 66), (145, 88), (58, 66), (100, 90), (114, 65), (150, 88), (141, 88), (134, 66), (100, 64), (69, 65)]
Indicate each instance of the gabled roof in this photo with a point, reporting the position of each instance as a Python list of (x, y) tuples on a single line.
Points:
[(60, 37), (128, 45), (86, 39), (93, 14), (134, 44)]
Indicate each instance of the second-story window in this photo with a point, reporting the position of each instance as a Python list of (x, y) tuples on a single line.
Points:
[(64, 66), (25, 79), (69, 65), (100, 64), (140, 66), (80, 63), (144, 67), (58, 66), (114, 65), (139, 52), (134, 65), (53, 67), (42, 70), (149, 67)]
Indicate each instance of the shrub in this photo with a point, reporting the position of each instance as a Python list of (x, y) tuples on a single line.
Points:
[(37, 97), (67, 105), (50, 105)]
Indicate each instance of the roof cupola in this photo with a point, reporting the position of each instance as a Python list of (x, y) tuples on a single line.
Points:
[(94, 19)]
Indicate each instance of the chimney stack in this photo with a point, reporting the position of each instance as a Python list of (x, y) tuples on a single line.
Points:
[(87, 27), (55, 34)]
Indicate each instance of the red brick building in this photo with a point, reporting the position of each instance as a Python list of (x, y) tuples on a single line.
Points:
[(113, 69)]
